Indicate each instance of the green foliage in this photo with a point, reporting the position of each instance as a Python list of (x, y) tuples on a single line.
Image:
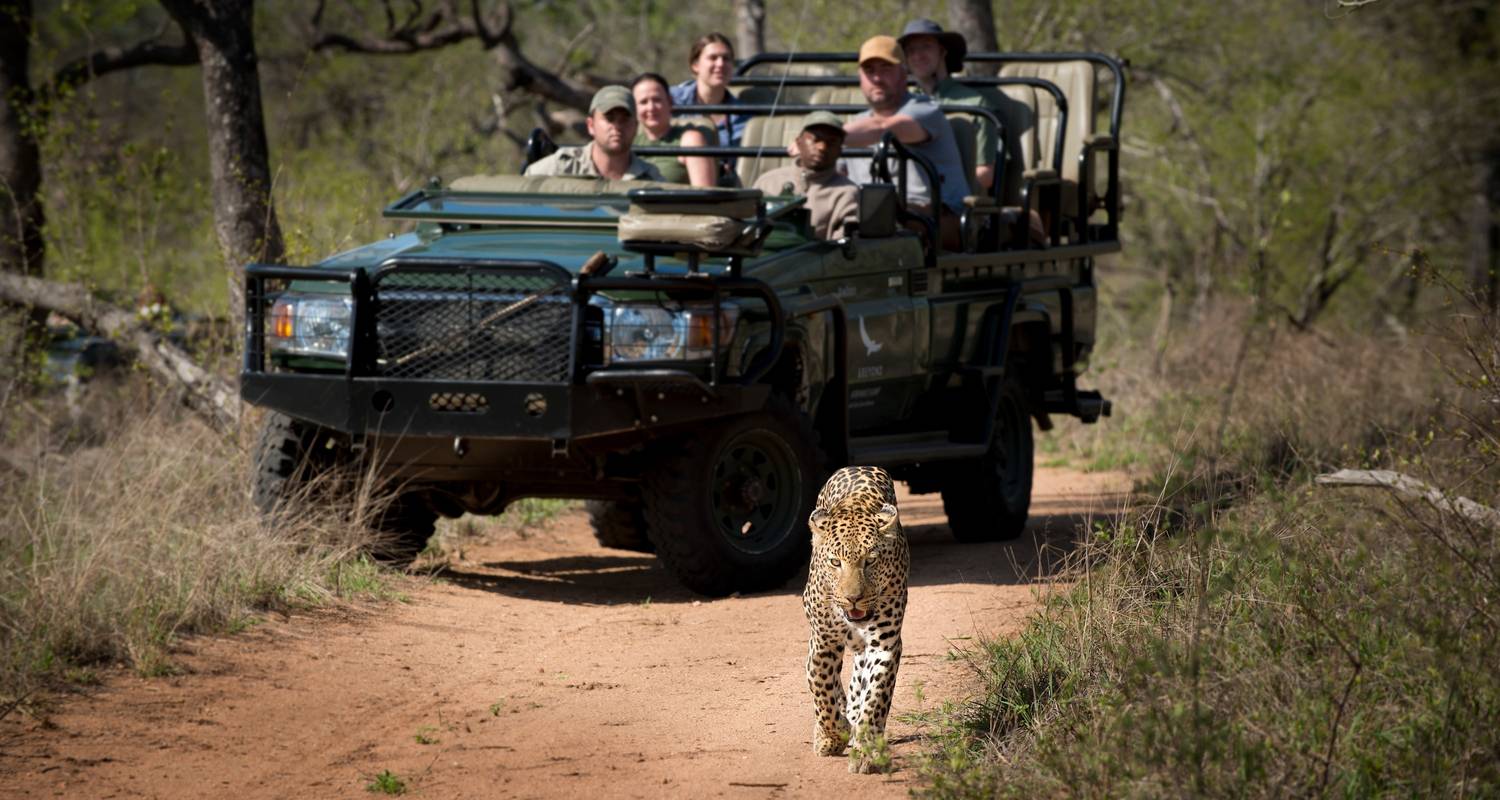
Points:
[(386, 783), (1280, 161), (1251, 635), (531, 512)]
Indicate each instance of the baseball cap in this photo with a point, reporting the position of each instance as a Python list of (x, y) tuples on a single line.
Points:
[(824, 118), (885, 48), (953, 43), (610, 98)]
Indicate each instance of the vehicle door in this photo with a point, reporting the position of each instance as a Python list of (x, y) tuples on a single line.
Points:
[(888, 331)]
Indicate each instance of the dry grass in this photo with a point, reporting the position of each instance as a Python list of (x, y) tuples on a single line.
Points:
[(1248, 634), (141, 535)]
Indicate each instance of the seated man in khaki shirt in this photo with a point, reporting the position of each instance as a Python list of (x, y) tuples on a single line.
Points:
[(832, 198), (612, 125)]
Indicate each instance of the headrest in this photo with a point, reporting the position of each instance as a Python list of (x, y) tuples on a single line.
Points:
[(708, 233)]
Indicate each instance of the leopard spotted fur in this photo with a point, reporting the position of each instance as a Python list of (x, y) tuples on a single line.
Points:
[(855, 599)]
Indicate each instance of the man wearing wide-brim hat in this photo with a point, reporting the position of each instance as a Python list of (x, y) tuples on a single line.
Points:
[(932, 56), (832, 198), (612, 125)]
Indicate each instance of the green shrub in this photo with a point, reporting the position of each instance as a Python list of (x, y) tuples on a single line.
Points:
[(1296, 641)]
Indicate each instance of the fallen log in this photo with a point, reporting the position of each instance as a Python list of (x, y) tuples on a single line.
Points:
[(1411, 487), (214, 399)]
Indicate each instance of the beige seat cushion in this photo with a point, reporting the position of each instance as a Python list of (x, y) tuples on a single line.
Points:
[(1076, 79), (701, 230), (836, 95), (783, 95)]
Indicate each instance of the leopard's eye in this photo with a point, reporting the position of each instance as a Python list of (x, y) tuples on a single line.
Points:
[(833, 562)]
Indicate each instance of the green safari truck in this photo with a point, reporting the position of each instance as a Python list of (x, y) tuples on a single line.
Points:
[(693, 362)]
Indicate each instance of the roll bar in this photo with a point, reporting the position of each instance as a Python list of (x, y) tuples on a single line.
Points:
[(1115, 67), (849, 80)]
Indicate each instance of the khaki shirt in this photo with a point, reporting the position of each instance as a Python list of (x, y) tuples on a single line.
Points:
[(578, 161), (832, 198)]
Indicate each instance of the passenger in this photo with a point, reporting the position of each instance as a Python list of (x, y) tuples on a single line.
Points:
[(916, 122), (712, 63), (653, 106), (612, 125), (933, 55), (832, 198)]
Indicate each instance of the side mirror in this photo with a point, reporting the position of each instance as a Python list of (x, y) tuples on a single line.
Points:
[(538, 146), (877, 210)]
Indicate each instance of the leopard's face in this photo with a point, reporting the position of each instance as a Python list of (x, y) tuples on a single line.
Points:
[(859, 553)]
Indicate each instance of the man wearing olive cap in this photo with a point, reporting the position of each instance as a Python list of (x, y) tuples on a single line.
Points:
[(832, 198), (612, 127), (916, 122)]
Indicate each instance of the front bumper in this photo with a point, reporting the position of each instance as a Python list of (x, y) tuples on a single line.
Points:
[(580, 401), (606, 404)]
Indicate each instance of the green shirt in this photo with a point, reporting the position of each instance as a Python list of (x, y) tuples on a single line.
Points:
[(672, 170), (951, 92)]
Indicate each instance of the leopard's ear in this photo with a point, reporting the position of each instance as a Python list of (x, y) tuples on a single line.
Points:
[(815, 521), (887, 517)]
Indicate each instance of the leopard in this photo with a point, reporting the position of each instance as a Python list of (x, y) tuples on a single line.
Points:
[(855, 600)]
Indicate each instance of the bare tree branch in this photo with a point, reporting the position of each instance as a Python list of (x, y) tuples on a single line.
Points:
[(214, 399), (1411, 487), (447, 25), (151, 52)]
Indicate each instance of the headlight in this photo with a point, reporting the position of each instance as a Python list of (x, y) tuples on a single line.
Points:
[(310, 325), (657, 333)]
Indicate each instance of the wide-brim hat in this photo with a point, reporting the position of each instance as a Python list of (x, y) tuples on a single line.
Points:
[(952, 42)]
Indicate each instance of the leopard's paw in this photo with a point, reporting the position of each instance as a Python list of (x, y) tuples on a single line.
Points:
[(825, 745)]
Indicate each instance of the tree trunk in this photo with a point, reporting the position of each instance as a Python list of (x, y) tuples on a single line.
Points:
[(1484, 252), (749, 28), (975, 19), (244, 214), (21, 217)]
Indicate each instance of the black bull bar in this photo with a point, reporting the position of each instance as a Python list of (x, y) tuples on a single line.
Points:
[(584, 398)]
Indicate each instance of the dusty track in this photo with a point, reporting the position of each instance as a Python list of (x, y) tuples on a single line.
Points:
[(538, 667)]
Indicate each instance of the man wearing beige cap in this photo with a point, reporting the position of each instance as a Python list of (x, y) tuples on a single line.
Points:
[(916, 122), (612, 127), (832, 198)]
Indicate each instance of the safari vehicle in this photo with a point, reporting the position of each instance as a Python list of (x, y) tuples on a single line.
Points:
[(695, 361)]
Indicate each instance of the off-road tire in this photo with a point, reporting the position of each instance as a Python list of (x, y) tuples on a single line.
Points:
[(988, 499), (402, 530), (292, 466), (620, 524), (287, 456), (763, 470)]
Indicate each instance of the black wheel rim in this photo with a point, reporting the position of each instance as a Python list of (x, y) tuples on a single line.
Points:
[(756, 489)]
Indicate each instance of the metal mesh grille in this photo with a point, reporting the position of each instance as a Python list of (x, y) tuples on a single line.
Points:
[(473, 326)]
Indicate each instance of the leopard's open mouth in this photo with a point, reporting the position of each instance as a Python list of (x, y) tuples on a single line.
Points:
[(856, 614)]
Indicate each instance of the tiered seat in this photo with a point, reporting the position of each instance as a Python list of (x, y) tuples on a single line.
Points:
[(1039, 133), (775, 133)]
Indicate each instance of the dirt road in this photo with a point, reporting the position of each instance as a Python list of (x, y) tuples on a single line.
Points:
[(541, 666)]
